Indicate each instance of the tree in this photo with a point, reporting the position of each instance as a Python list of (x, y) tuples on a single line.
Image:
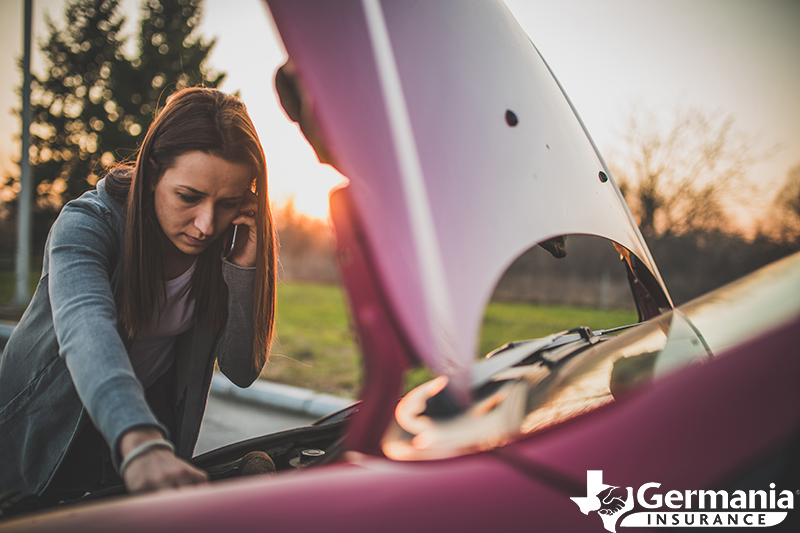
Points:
[(94, 103), (786, 216), (307, 251), (680, 177), (171, 57)]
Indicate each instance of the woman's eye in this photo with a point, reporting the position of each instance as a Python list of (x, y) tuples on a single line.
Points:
[(187, 198)]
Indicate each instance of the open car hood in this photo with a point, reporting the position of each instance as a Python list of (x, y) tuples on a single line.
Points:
[(462, 152)]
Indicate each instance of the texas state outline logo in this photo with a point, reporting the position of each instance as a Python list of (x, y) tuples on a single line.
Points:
[(608, 501), (689, 508)]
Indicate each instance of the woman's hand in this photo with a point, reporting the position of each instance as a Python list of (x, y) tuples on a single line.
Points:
[(245, 247), (157, 468)]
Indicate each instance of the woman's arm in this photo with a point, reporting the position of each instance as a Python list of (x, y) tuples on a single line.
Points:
[(83, 251), (157, 467), (234, 351)]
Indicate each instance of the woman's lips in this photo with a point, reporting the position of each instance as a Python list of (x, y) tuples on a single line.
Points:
[(195, 241)]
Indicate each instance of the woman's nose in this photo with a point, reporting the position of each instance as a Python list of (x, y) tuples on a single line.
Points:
[(204, 221)]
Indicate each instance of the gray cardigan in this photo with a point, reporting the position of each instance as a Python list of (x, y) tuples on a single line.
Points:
[(67, 359)]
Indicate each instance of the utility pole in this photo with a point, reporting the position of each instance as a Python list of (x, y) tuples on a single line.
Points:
[(24, 229)]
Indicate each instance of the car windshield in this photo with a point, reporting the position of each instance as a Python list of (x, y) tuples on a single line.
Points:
[(608, 370), (556, 381), (532, 385), (611, 368)]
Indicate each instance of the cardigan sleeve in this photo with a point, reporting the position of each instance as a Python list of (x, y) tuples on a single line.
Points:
[(234, 350), (83, 250)]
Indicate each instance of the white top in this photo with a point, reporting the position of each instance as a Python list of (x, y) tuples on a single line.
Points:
[(153, 354)]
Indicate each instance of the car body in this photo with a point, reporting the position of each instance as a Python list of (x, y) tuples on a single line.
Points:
[(456, 137)]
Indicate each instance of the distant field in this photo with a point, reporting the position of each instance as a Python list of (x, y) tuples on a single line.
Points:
[(314, 346), (504, 322), (8, 290)]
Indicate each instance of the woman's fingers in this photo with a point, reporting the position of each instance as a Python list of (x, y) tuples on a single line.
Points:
[(159, 468), (250, 203), (247, 219), (245, 247)]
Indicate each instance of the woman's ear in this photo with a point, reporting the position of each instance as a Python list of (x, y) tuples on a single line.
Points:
[(153, 171)]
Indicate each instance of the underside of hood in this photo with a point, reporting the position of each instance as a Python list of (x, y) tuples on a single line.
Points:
[(462, 152)]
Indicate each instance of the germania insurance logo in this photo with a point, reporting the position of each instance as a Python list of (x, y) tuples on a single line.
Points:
[(690, 508)]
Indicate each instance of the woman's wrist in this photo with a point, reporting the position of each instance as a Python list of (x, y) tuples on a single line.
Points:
[(230, 262), (143, 449), (139, 442), (136, 437)]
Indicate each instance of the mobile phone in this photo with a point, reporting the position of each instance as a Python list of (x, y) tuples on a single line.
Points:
[(230, 239)]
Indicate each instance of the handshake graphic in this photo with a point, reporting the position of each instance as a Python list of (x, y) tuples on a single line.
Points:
[(608, 501)]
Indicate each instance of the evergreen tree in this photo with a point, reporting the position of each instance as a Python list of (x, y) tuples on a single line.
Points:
[(94, 104), (69, 103), (170, 56)]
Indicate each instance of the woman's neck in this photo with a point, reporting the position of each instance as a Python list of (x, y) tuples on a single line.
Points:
[(175, 261)]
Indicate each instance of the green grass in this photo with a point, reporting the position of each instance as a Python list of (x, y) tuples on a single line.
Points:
[(8, 311), (506, 322), (314, 346)]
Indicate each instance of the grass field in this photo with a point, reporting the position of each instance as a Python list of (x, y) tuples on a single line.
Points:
[(314, 345), (8, 290)]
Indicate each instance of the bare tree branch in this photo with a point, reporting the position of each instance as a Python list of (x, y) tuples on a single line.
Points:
[(681, 175)]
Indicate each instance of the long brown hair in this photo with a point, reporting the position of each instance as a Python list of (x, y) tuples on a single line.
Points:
[(213, 122)]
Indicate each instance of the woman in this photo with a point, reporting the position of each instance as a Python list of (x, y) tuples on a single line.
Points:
[(141, 292)]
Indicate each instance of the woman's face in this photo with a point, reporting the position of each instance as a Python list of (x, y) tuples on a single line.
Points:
[(197, 198)]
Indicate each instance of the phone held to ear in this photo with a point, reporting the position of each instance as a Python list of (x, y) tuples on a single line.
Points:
[(230, 239)]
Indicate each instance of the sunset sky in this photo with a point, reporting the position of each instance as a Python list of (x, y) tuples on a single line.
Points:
[(740, 57)]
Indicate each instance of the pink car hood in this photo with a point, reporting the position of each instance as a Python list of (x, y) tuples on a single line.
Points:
[(461, 149)]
